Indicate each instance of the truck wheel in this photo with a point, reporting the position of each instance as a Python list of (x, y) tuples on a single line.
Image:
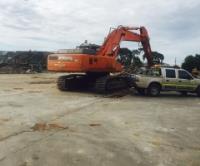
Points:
[(141, 91), (153, 90), (198, 92)]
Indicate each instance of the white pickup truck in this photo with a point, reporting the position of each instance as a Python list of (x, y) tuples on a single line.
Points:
[(154, 80)]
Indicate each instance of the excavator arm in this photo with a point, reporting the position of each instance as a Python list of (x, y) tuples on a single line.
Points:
[(111, 45)]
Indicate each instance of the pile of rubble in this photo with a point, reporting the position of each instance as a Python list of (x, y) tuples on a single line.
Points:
[(23, 62)]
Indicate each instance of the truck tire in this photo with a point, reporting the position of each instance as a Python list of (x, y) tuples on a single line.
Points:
[(198, 92), (153, 90)]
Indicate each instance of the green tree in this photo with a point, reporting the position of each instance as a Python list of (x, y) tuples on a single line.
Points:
[(191, 62), (158, 58), (137, 62), (125, 56), (129, 58)]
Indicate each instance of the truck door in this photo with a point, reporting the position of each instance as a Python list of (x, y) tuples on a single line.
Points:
[(185, 81), (170, 80)]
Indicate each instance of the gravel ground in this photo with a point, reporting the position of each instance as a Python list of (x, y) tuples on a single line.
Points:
[(41, 126)]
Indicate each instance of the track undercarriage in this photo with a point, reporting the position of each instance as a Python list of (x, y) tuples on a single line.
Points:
[(100, 83)]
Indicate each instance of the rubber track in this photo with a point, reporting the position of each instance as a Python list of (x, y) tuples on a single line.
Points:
[(101, 84), (70, 82), (61, 83)]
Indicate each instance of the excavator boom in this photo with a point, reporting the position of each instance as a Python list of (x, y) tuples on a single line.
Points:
[(111, 45)]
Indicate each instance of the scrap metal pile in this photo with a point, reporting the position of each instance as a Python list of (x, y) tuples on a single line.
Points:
[(23, 61)]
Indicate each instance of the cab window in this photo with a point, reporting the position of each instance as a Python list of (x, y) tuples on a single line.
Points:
[(184, 75), (170, 73), (154, 72)]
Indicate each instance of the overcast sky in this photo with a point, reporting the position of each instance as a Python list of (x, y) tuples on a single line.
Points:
[(173, 25)]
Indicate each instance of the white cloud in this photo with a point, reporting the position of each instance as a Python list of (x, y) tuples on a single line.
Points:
[(53, 24)]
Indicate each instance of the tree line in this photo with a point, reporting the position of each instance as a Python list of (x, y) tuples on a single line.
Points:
[(22, 61), (191, 62), (131, 58)]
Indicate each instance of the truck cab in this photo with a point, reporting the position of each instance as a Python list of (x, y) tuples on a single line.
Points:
[(154, 80)]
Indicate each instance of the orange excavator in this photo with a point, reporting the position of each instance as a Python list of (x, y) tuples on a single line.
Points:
[(91, 65)]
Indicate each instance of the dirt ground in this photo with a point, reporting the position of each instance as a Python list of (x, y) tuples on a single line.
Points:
[(41, 126)]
